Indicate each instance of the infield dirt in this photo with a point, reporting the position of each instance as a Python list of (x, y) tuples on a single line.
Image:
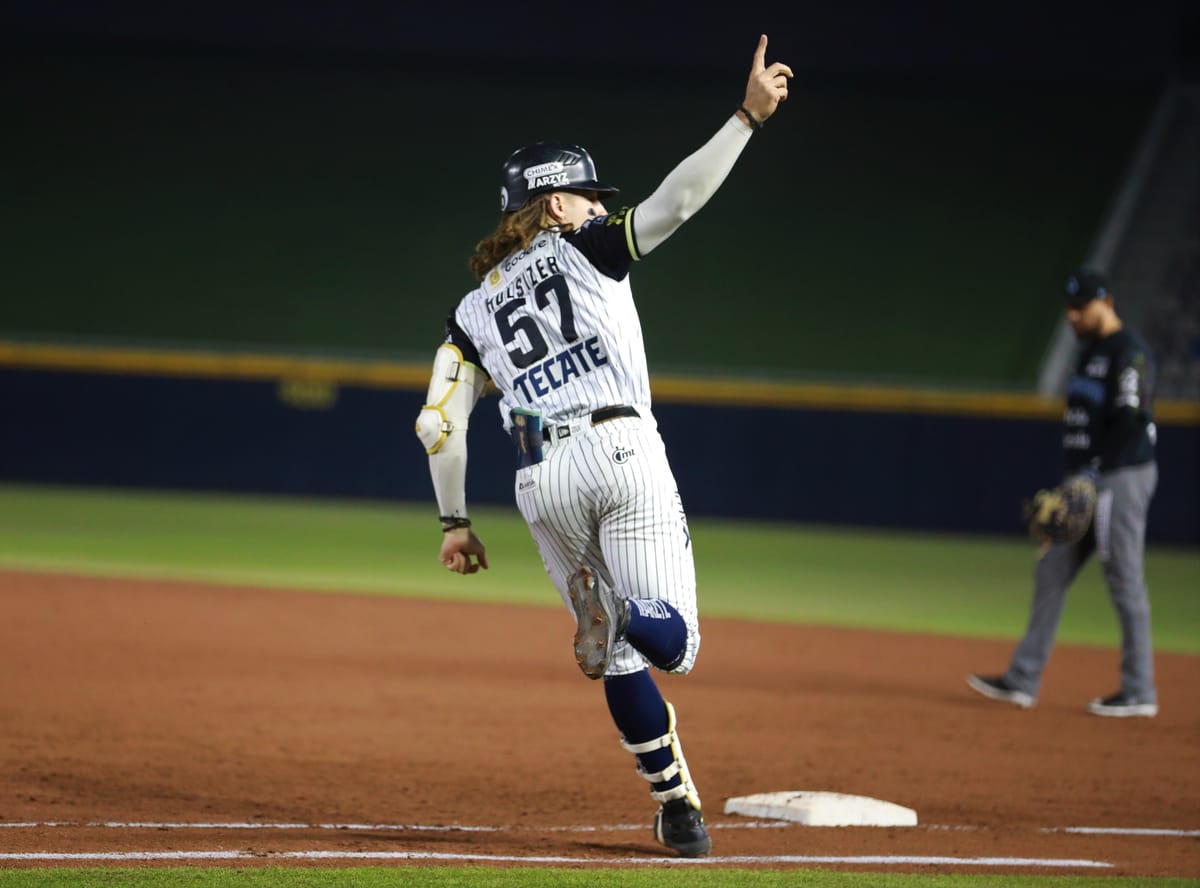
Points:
[(146, 702)]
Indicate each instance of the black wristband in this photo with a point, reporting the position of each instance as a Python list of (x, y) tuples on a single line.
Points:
[(754, 124), (451, 522)]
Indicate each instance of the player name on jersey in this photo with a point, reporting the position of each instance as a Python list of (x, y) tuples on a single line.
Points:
[(523, 284)]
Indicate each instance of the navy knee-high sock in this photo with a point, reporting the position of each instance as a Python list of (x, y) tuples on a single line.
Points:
[(640, 714), (658, 631)]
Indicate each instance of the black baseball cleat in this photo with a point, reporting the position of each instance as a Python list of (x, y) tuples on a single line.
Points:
[(997, 688), (1121, 705), (681, 828)]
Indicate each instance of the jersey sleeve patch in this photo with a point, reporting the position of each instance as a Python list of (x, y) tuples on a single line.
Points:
[(1134, 380), (607, 242)]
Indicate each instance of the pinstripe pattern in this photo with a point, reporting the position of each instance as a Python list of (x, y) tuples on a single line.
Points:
[(606, 496), (556, 328), (604, 364)]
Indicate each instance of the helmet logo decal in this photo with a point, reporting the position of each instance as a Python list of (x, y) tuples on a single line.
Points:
[(554, 179), (547, 175), (543, 169)]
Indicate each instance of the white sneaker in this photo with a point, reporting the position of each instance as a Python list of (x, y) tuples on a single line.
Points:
[(997, 688), (1119, 705)]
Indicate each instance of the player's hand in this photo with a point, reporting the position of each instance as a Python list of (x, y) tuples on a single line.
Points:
[(768, 84), (458, 547)]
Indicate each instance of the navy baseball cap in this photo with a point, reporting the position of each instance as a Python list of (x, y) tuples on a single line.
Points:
[(1083, 286)]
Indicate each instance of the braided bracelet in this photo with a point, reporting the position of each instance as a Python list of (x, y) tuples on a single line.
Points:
[(754, 124), (452, 522)]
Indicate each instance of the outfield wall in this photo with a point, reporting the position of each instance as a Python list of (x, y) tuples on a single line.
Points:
[(910, 229), (921, 461)]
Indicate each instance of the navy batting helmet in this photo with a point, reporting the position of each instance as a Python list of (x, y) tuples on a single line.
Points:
[(547, 166)]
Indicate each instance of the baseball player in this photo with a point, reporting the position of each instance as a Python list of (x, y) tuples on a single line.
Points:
[(554, 326), (1109, 434)]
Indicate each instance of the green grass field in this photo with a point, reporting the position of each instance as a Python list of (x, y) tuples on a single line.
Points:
[(966, 586), (955, 585)]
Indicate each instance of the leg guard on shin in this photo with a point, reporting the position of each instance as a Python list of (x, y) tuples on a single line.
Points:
[(640, 711), (672, 781), (678, 823), (646, 723)]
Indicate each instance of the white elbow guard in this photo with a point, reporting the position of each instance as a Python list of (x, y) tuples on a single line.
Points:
[(454, 387)]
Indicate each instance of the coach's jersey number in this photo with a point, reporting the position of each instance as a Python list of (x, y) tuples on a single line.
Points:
[(509, 326)]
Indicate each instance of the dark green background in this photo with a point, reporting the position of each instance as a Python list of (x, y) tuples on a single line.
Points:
[(908, 231)]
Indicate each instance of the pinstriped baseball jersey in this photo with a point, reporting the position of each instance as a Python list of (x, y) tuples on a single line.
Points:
[(555, 326)]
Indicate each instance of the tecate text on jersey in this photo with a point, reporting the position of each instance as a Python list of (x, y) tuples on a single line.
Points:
[(571, 362)]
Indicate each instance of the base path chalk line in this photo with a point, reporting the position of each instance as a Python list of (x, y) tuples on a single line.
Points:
[(617, 827), (358, 827), (134, 824), (1121, 831), (865, 860)]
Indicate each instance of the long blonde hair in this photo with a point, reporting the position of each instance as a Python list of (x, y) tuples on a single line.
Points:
[(515, 232)]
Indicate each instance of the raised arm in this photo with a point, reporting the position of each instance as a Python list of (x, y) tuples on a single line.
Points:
[(689, 186)]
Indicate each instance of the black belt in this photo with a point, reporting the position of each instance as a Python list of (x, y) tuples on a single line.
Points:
[(604, 414)]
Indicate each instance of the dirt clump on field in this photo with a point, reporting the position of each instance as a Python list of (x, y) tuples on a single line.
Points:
[(277, 726)]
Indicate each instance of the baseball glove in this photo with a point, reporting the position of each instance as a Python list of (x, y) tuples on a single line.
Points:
[(1062, 514)]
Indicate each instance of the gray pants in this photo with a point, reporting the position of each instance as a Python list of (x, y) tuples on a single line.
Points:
[(1118, 536)]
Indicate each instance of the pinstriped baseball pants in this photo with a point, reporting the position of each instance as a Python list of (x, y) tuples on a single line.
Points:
[(606, 497)]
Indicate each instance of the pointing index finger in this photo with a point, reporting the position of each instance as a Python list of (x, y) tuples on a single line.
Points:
[(760, 56)]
